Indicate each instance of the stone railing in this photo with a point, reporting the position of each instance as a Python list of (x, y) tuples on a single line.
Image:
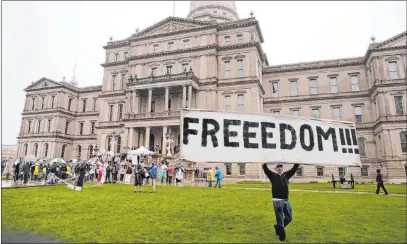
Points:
[(167, 77), (153, 115)]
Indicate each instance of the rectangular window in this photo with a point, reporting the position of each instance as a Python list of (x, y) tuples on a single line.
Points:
[(49, 125), (393, 72), (84, 105), (29, 127), (275, 89), (336, 113), (155, 48), (169, 69), (52, 101), (185, 67), (169, 105), (116, 57), (315, 113), (110, 112), (240, 103), (364, 171), (239, 38), (125, 55), (358, 114), (186, 43), (94, 104), (113, 82), (355, 83), (120, 111), (228, 106), (227, 69), (398, 103), (154, 71), (277, 112), (334, 84), (293, 88), (92, 127), (295, 112), (299, 172), (66, 128), (313, 86), (240, 68), (42, 102), (228, 169), (122, 81), (341, 172), (242, 169), (33, 103), (171, 46), (152, 106), (69, 104), (80, 128), (403, 141), (227, 40), (320, 172)]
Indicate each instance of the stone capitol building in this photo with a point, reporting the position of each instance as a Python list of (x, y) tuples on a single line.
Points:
[(212, 59)]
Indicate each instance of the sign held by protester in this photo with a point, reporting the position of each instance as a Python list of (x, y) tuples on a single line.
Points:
[(215, 136)]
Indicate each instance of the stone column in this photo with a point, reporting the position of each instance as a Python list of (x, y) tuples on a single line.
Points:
[(166, 99), (382, 106), (150, 95), (126, 136), (189, 96), (164, 145), (184, 96), (134, 105), (147, 138), (130, 140)]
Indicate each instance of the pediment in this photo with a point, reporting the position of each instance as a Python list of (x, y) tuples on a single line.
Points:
[(43, 83), (396, 41), (171, 24)]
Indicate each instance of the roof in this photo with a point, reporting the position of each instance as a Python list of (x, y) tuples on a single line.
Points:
[(45, 83)]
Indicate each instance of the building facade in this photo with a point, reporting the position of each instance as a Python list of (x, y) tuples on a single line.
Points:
[(214, 60), (8, 152)]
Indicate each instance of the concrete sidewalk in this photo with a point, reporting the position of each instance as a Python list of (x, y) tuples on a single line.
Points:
[(19, 236)]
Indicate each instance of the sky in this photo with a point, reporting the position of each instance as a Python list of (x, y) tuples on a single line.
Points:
[(44, 39)]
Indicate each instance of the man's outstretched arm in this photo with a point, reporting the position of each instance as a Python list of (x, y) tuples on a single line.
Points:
[(267, 171), (292, 171)]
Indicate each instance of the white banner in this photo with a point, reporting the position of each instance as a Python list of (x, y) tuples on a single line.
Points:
[(213, 136)]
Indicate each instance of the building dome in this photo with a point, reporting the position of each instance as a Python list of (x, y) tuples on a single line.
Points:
[(221, 11)]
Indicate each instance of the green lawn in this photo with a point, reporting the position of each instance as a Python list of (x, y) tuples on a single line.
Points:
[(399, 189), (113, 213)]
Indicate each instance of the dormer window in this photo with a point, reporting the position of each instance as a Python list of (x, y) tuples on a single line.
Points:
[(171, 46), (116, 57), (239, 38), (186, 43), (227, 40)]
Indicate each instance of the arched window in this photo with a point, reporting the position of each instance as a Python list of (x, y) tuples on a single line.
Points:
[(35, 149), (63, 151), (79, 151), (119, 144), (46, 150), (90, 151), (109, 140), (25, 149), (403, 141), (361, 144)]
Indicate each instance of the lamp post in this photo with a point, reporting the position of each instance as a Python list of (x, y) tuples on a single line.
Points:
[(170, 137)]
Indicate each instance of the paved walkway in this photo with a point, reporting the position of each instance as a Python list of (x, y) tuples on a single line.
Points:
[(321, 191), (19, 236)]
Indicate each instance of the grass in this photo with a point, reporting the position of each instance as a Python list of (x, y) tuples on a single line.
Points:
[(398, 189), (113, 213)]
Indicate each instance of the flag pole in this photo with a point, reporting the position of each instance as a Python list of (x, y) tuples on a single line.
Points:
[(173, 9)]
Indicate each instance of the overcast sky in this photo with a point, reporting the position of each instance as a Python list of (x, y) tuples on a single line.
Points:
[(42, 39)]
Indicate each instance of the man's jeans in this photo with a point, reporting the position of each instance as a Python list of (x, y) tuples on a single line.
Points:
[(283, 212)]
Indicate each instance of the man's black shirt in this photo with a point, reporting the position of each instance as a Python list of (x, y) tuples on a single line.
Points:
[(279, 183)]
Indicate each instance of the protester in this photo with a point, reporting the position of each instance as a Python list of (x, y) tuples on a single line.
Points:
[(100, 174), (219, 177), (26, 172), (129, 171), (17, 170), (163, 172), (82, 171), (209, 177), (153, 171), (179, 176), (108, 171), (114, 173), (36, 171), (122, 171), (170, 171), (282, 206), (380, 184), (138, 177)]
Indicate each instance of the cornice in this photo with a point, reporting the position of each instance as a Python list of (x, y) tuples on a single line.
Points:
[(370, 51), (243, 82), (105, 65), (281, 100)]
